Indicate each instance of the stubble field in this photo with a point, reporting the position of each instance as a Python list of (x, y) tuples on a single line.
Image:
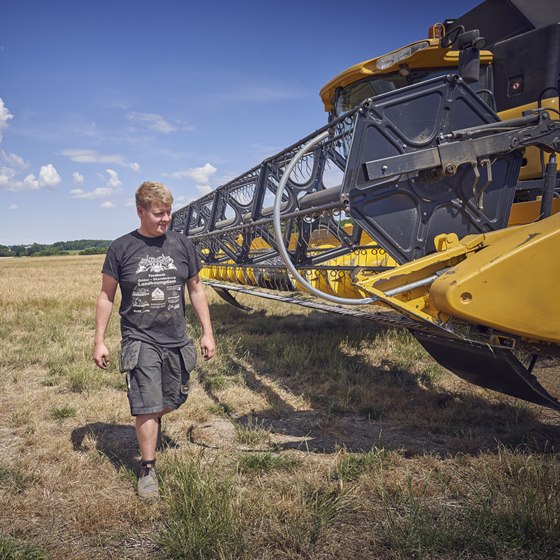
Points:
[(309, 436)]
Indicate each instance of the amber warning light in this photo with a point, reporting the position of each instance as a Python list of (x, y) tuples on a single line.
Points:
[(436, 31)]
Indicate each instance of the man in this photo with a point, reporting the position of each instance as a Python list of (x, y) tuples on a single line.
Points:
[(152, 266)]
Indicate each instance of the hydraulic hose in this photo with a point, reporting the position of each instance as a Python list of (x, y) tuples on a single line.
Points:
[(549, 186)]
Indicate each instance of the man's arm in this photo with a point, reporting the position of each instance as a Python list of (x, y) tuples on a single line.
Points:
[(200, 306), (102, 315)]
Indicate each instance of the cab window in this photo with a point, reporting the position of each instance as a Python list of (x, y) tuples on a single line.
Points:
[(352, 95)]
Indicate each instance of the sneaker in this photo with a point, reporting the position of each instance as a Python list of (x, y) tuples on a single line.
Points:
[(148, 488)]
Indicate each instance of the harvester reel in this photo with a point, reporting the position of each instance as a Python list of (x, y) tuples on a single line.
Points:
[(279, 237)]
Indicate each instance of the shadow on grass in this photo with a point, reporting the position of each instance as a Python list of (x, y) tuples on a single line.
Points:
[(394, 400), (117, 442)]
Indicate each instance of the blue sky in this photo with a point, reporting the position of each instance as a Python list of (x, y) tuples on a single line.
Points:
[(98, 96)]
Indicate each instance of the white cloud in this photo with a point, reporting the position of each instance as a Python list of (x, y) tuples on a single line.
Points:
[(201, 175), (180, 201), (135, 166), (13, 207), (78, 178), (6, 176), (153, 121), (13, 160), (107, 204), (48, 176), (48, 179), (114, 182), (92, 156), (5, 116), (203, 189), (99, 192), (112, 186)]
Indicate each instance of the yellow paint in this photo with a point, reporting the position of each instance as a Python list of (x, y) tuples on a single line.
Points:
[(513, 284), (527, 212), (431, 57)]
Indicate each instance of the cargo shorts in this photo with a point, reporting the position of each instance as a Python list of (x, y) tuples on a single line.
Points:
[(157, 377)]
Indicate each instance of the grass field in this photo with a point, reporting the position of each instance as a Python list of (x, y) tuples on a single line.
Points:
[(309, 436)]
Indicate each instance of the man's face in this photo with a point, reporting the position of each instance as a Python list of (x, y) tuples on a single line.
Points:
[(155, 220)]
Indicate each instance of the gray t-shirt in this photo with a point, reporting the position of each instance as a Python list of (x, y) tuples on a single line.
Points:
[(152, 272)]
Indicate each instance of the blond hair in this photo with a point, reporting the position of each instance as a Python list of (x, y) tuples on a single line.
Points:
[(150, 191)]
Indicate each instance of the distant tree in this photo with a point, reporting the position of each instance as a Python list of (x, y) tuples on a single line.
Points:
[(81, 244), (19, 250), (36, 248), (5, 251), (50, 252), (94, 251), (58, 248)]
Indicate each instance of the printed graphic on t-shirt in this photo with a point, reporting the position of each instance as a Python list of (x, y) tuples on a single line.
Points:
[(154, 264), (157, 285), (140, 292), (157, 295)]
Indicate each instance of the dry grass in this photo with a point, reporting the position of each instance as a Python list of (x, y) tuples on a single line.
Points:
[(309, 436)]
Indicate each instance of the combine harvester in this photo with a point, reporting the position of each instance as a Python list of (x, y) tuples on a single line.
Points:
[(429, 201)]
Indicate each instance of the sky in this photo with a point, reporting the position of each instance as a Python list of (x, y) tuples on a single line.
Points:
[(97, 96)]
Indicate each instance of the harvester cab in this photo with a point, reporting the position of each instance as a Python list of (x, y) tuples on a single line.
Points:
[(429, 201)]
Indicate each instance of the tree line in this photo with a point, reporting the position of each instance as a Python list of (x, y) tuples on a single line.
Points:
[(80, 246)]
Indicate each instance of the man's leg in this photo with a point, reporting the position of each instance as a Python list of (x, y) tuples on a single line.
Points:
[(165, 370), (146, 405), (146, 433)]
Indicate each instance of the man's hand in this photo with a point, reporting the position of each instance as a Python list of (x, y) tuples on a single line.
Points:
[(101, 355), (207, 346), (102, 316), (200, 306)]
